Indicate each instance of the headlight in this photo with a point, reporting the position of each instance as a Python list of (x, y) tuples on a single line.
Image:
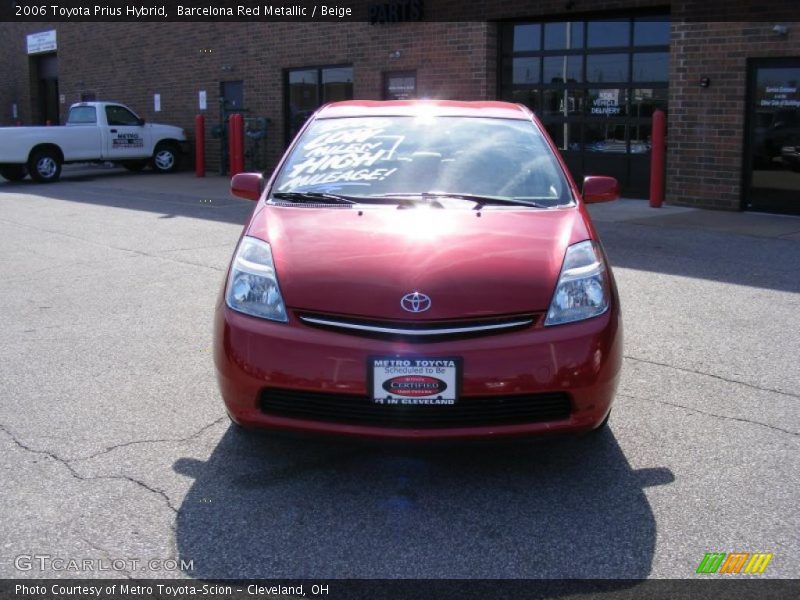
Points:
[(252, 284), (582, 291)]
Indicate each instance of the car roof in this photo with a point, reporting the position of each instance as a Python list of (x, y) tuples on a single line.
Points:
[(436, 108)]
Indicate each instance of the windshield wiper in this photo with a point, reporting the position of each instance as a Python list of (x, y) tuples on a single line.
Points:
[(480, 201), (314, 198)]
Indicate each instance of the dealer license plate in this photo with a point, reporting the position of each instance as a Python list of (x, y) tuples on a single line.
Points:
[(414, 381)]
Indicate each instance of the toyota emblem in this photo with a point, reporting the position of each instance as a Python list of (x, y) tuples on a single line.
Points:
[(415, 302)]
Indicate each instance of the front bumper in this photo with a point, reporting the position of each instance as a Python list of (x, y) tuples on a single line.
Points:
[(582, 359)]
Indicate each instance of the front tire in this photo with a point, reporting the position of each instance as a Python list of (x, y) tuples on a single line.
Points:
[(13, 172), (165, 158), (45, 166)]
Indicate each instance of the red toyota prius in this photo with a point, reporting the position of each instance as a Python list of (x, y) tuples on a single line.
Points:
[(420, 269)]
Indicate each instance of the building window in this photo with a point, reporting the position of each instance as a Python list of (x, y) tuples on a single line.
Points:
[(563, 36), (337, 84), (651, 66), (650, 31), (525, 70), (594, 84), (563, 69), (527, 37), (309, 88)]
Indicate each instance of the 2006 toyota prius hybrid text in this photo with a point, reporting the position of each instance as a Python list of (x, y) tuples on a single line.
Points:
[(420, 269)]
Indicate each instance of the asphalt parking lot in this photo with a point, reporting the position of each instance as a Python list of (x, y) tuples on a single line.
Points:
[(114, 443)]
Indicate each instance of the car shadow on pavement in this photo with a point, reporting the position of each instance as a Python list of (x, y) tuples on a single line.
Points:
[(725, 257), (267, 506)]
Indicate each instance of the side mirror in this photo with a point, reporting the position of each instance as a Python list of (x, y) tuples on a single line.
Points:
[(141, 121), (247, 185), (598, 188)]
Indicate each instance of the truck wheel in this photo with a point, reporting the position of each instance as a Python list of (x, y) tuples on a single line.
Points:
[(45, 166), (13, 172), (135, 165), (165, 158)]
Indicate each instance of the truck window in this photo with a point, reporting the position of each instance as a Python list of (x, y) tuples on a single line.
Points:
[(119, 115), (82, 115)]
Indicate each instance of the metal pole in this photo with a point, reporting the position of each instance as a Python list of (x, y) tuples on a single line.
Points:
[(657, 159)]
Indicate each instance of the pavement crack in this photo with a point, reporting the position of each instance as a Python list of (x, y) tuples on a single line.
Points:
[(713, 376), (76, 475), (50, 455), (188, 438), (714, 415), (142, 485)]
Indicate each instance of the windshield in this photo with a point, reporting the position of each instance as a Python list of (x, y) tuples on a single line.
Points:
[(371, 157)]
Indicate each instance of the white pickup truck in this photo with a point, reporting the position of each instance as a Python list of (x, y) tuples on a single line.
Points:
[(94, 132)]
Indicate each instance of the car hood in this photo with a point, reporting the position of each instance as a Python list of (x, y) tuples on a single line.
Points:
[(471, 264)]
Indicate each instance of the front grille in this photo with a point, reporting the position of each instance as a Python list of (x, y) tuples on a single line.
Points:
[(419, 330), (466, 412)]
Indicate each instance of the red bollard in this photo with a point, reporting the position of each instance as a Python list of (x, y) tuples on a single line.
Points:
[(657, 159), (232, 145), (236, 144), (240, 144), (200, 146)]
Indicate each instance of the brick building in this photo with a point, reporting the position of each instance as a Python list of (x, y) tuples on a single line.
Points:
[(727, 76)]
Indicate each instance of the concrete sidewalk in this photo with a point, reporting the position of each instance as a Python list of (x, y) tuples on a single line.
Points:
[(626, 210), (741, 223)]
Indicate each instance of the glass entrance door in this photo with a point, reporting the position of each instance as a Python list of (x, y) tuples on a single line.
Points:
[(772, 161)]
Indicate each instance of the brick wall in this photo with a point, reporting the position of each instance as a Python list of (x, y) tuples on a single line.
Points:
[(706, 126)]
